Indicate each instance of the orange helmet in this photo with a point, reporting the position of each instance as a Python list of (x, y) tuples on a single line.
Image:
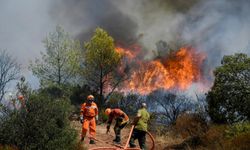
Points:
[(90, 97), (107, 111), (20, 97)]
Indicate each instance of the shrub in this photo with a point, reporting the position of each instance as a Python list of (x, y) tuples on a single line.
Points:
[(169, 105), (191, 125), (238, 129), (102, 116), (131, 103), (43, 124), (213, 139), (235, 137)]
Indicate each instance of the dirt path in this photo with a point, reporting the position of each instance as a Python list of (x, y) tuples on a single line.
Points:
[(104, 140)]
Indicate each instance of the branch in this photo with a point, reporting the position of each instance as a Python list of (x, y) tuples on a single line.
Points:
[(115, 86)]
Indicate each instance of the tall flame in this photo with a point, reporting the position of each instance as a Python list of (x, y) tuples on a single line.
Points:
[(178, 70)]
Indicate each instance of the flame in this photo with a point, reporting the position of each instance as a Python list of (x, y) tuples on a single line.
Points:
[(130, 53), (176, 71), (125, 52)]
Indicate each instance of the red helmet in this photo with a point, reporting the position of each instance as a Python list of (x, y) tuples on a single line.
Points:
[(20, 97)]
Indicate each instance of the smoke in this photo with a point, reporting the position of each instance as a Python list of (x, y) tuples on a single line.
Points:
[(218, 27), (215, 27), (23, 26), (82, 17)]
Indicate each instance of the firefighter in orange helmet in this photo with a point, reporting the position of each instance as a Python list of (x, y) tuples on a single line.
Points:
[(88, 117), (22, 100), (121, 121)]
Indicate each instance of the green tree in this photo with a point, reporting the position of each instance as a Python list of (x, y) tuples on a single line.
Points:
[(9, 71), (229, 98), (101, 61), (61, 62)]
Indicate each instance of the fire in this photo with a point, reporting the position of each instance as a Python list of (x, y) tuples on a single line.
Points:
[(130, 53), (125, 52), (178, 70)]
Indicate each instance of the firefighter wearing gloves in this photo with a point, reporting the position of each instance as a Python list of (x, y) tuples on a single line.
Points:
[(88, 117), (121, 121)]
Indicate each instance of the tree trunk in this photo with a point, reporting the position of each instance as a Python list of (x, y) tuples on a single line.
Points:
[(101, 87)]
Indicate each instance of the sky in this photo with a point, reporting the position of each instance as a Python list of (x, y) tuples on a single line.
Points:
[(23, 26), (218, 27)]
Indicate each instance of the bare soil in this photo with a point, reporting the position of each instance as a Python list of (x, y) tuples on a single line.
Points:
[(106, 140)]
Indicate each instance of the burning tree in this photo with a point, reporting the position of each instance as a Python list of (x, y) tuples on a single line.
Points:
[(101, 62), (175, 70)]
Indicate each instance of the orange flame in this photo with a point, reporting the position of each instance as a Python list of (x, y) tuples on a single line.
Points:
[(176, 71), (130, 53), (125, 52)]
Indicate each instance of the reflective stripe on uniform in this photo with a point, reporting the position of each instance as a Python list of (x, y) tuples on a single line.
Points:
[(88, 107)]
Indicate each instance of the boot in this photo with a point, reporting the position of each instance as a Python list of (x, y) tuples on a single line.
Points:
[(132, 143), (117, 140), (91, 142), (82, 139)]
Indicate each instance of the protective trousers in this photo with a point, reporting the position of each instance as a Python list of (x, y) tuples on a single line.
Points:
[(89, 123), (118, 127), (141, 136)]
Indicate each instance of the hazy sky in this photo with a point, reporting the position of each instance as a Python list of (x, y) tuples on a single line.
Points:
[(23, 25)]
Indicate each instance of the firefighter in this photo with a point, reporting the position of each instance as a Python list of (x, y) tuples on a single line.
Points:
[(121, 121), (22, 101), (140, 129), (88, 117)]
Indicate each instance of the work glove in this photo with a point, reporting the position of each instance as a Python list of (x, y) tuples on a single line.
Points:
[(81, 119), (108, 127), (133, 123), (124, 122)]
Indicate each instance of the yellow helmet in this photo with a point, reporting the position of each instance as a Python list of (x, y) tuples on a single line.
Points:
[(90, 97), (107, 111)]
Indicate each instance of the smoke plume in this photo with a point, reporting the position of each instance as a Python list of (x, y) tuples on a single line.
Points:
[(217, 27)]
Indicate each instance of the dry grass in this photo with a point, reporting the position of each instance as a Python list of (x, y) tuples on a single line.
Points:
[(190, 125), (6, 147), (167, 140), (215, 138), (240, 142)]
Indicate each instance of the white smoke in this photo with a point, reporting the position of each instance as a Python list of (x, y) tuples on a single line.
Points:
[(219, 27)]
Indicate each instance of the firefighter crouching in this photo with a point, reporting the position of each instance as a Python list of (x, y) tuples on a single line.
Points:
[(121, 121), (88, 117)]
